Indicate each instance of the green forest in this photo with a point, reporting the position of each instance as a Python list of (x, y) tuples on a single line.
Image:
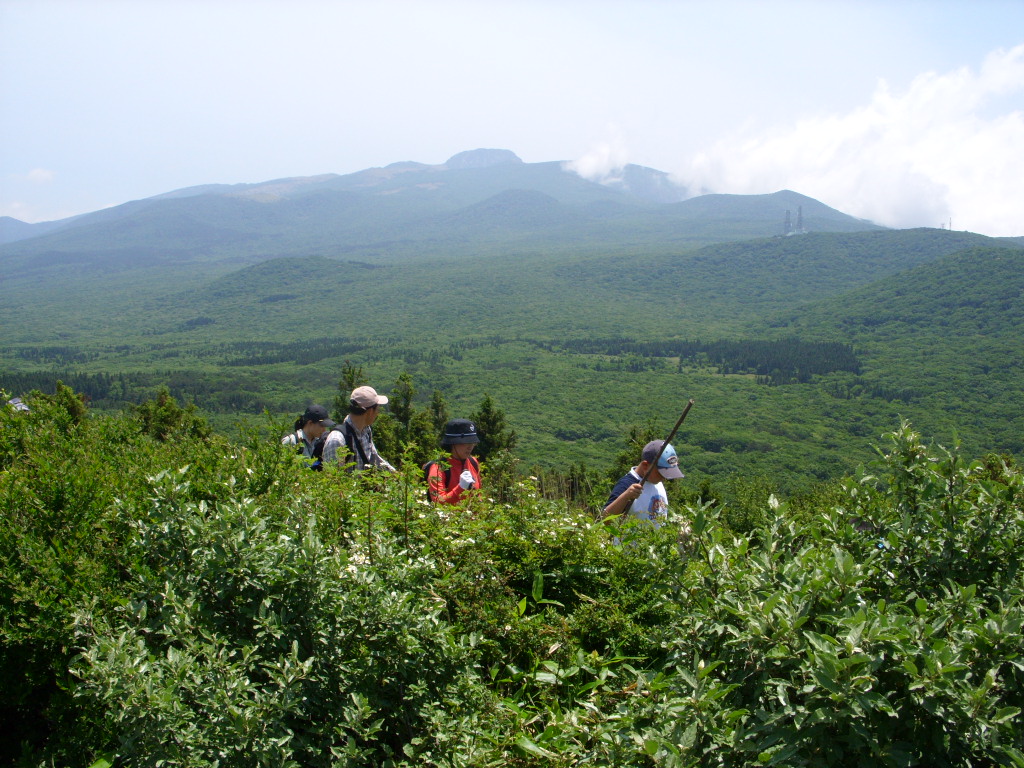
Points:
[(171, 597), (800, 352)]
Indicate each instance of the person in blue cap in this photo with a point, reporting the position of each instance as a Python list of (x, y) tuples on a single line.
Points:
[(645, 500)]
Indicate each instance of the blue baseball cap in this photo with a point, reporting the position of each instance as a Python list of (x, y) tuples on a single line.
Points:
[(668, 464)]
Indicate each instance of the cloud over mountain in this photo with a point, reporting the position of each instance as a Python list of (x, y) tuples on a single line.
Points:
[(949, 147)]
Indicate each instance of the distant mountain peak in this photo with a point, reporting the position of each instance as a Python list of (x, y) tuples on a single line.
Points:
[(482, 158), (406, 165)]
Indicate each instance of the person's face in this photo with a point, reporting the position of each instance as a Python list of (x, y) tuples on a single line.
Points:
[(372, 414), (313, 429), (654, 477), (463, 451)]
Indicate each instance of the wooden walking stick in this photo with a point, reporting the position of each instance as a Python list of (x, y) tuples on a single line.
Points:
[(668, 439)]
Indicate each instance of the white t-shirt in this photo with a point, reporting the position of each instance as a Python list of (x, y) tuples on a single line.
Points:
[(651, 505)]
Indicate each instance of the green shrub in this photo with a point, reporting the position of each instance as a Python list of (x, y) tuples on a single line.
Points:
[(70, 487), (59, 545), (162, 418), (217, 603), (249, 641)]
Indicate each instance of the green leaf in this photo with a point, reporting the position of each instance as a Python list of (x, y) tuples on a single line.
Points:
[(705, 670), (1005, 714), (529, 747), (822, 643), (1016, 756), (538, 586), (689, 736)]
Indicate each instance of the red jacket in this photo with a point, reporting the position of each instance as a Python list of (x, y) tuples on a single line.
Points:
[(448, 491)]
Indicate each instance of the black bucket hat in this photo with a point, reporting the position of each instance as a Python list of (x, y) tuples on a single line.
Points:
[(458, 431)]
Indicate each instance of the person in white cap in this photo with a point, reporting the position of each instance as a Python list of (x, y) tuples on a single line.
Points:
[(645, 499), (350, 444)]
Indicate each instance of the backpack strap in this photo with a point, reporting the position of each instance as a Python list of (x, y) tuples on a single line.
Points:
[(355, 448), (352, 446), (446, 470), (472, 461)]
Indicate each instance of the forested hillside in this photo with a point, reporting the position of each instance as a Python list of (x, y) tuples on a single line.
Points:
[(921, 324), (944, 340)]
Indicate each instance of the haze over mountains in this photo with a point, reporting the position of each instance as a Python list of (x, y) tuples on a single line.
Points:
[(530, 283)]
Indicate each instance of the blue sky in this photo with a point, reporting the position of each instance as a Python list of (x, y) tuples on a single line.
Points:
[(906, 113)]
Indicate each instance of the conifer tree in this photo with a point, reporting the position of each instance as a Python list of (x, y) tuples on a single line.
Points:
[(351, 377), (401, 406), (438, 412), (495, 435), (403, 426)]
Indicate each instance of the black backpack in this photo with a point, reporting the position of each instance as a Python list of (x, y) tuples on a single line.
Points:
[(447, 472), (351, 443)]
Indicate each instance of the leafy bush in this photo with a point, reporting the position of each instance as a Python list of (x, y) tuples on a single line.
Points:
[(162, 418), (59, 542), (248, 640), (194, 602), (70, 486)]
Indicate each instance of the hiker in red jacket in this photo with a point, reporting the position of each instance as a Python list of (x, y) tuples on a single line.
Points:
[(450, 481)]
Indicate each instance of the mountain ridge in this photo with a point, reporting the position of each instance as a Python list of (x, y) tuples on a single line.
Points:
[(465, 179)]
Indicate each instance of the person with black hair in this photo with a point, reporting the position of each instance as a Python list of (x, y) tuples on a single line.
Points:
[(309, 427), (450, 480), (350, 444)]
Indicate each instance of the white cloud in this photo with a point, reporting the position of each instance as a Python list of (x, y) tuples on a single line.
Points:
[(603, 162), (23, 189), (39, 176), (918, 158), (16, 210)]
